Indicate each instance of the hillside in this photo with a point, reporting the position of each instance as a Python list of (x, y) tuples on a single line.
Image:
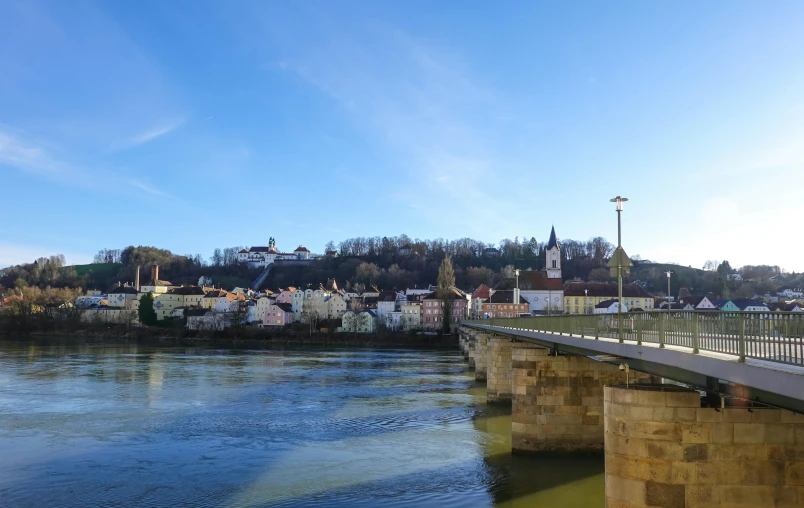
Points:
[(653, 275), (98, 269)]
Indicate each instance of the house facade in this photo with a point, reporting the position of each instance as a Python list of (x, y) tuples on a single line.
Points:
[(609, 307), (411, 315), (278, 314), (336, 306), (583, 297), (433, 314), (501, 305), (360, 322)]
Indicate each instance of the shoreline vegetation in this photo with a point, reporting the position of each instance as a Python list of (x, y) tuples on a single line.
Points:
[(246, 337)]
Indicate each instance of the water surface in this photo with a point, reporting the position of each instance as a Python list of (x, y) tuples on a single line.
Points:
[(146, 426)]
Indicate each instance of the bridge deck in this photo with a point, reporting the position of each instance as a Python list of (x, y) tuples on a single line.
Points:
[(775, 382)]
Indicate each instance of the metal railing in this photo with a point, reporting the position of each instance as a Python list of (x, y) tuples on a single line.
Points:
[(771, 336)]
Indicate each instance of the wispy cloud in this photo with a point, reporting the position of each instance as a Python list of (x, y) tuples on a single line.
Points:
[(422, 103), (149, 135), (136, 184), (31, 156), (26, 155)]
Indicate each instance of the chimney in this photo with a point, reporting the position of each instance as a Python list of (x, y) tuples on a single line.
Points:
[(155, 273), (137, 279)]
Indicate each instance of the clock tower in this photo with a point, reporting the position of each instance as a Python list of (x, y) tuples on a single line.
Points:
[(552, 257)]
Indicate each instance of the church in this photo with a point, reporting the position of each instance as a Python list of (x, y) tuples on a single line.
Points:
[(544, 290)]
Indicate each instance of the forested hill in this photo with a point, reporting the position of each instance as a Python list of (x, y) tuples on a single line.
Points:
[(387, 262)]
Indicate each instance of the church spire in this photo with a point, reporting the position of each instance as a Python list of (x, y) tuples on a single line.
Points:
[(553, 241)]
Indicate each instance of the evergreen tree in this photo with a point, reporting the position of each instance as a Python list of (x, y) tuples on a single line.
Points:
[(446, 274), (146, 311), (445, 282)]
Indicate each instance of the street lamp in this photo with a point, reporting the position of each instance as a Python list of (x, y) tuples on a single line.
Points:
[(585, 304), (668, 273), (619, 200), (516, 294)]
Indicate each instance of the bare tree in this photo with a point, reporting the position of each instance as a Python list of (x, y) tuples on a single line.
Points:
[(313, 311)]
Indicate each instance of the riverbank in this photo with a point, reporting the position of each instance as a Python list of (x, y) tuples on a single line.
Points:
[(245, 338)]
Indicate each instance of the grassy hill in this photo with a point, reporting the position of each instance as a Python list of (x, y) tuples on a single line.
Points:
[(98, 269)]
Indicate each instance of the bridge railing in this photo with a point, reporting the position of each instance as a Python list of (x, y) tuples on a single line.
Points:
[(772, 336)]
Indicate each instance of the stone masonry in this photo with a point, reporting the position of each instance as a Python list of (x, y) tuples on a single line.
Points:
[(558, 401), (470, 349), (664, 450), (481, 357), (498, 378)]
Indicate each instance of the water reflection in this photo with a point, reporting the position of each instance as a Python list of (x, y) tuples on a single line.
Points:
[(101, 425)]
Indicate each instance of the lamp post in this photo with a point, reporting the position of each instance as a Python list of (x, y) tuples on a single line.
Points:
[(619, 200), (516, 294), (668, 273), (585, 303)]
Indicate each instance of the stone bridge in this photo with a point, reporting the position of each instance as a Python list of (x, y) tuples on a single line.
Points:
[(677, 428)]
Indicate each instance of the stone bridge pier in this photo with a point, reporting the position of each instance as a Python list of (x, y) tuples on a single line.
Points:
[(498, 370), (557, 402), (664, 450), (470, 349), (481, 356)]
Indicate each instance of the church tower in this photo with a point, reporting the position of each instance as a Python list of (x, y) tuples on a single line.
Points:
[(552, 257)]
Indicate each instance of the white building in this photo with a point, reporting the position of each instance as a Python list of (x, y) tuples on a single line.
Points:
[(791, 293), (543, 290), (552, 256), (297, 303), (609, 307), (361, 322), (386, 303), (336, 306), (123, 297), (411, 315), (260, 256)]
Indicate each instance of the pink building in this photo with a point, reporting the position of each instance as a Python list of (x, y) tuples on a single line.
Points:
[(278, 314), (286, 296), (433, 314)]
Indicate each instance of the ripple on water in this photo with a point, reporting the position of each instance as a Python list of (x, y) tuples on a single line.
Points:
[(193, 427)]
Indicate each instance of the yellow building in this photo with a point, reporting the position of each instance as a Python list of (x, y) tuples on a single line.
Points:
[(209, 299), (187, 296), (581, 297)]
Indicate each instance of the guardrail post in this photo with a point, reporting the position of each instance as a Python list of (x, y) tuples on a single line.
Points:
[(639, 328), (662, 326), (742, 338), (696, 337)]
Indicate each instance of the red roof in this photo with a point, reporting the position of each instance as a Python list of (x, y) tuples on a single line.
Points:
[(301, 249), (532, 281), (482, 292)]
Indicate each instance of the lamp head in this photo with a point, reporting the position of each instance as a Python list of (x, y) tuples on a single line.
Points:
[(619, 200)]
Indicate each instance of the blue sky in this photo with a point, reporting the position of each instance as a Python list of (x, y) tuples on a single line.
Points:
[(191, 125)]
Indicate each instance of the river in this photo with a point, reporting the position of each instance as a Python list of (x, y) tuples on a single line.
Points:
[(157, 426)]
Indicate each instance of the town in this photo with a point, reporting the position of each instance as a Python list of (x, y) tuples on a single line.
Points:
[(439, 307)]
